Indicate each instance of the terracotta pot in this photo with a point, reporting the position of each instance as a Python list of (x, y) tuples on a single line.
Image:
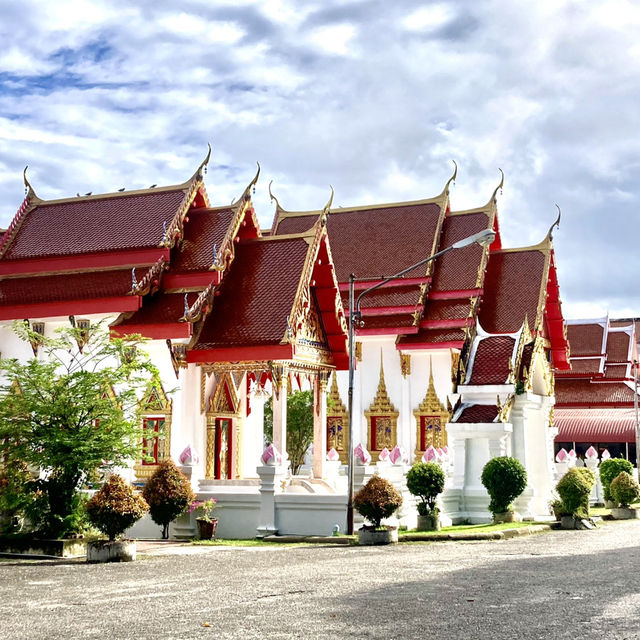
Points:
[(429, 523), (371, 536), (206, 529)]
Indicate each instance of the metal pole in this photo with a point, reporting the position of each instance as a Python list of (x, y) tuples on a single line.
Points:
[(351, 374), (635, 407)]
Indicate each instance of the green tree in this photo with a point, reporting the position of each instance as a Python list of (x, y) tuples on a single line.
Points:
[(70, 412), (299, 426)]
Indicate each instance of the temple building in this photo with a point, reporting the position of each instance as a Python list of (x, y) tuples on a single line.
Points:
[(595, 398), (457, 357)]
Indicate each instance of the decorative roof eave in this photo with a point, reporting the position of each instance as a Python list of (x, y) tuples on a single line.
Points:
[(243, 208), (174, 230), (201, 308), (30, 202), (151, 280)]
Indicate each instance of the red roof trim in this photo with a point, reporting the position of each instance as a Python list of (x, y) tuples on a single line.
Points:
[(187, 280), (454, 323), (241, 354), (455, 295), (387, 311), (424, 346), (398, 282), (116, 304), (172, 330), (387, 331), (84, 261)]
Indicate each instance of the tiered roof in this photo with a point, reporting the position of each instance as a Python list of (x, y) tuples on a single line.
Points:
[(595, 398)]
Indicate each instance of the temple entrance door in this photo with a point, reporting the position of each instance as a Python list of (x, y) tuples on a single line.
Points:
[(223, 436)]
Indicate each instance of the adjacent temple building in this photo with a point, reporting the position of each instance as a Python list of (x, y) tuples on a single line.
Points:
[(459, 356)]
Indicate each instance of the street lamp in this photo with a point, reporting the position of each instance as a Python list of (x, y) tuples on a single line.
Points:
[(483, 238)]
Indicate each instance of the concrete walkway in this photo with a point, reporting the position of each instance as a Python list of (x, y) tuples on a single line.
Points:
[(564, 584)]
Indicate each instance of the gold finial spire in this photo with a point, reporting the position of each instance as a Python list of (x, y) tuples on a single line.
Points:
[(555, 224), (273, 198), (499, 187), (327, 206), (29, 190), (247, 192), (453, 177)]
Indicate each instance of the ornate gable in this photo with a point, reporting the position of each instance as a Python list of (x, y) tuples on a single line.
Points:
[(382, 417), (431, 419)]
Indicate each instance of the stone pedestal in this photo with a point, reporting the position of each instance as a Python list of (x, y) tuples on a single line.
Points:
[(271, 480)]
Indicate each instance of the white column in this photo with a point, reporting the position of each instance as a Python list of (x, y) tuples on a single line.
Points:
[(279, 383), (254, 431), (319, 425), (271, 477)]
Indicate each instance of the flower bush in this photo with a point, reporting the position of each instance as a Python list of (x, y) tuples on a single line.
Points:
[(505, 479), (426, 480), (168, 493), (624, 489), (378, 499), (116, 507), (574, 489), (203, 509), (610, 469)]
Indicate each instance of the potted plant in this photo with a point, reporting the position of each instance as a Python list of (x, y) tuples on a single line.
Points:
[(168, 494), (625, 491), (574, 489), (378, 499), (610, 469), (112, 510), (207, 525), (504, 479), (426, 481)]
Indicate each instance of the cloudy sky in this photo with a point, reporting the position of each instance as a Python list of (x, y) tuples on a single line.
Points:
[(374, 97)]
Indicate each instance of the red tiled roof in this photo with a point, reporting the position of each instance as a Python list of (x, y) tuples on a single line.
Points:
[(206, 228), (96, 223), (74, 286), (491, 360), (383, 322), (158, 309), (478, 413), (616, 371), (618, 345), (586, 393), (446, 310), (458, 269), (378, 241), (395, 296), (512, 290), (582, 366), (432, 337), (595, 425), (585, 339), (256, 295)]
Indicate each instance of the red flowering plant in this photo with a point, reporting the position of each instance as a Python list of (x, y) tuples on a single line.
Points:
[(203, 509)]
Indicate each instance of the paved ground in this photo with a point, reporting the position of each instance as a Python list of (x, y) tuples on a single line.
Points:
[(570, 584)]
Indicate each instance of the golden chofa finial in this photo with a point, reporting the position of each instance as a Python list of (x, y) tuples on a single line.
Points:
[(28, 189), (327, 206), (555, 224), (252, 184), (205, 162), (453, 177), (273, 198)]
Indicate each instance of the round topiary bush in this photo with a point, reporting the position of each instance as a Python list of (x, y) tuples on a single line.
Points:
[(624, 489), (610, 469), (574, 489), (426, 481), (505, 479), (116, 507), (378, 499), (169, 495)]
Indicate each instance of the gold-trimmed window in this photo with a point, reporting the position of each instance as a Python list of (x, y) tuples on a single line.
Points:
[(431, 420), (382, 418), (337, 422)]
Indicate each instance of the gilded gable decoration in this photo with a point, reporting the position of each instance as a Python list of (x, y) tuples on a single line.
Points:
[(225, 399), (156, 412), (178, 353), (37, 328), (382, 417), (405, 364), (431, 420), (359, 351), (337, 422)]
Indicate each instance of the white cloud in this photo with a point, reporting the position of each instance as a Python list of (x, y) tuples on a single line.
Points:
[(334, 39)]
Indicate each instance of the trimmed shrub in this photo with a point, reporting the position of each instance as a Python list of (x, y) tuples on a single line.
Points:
[(574, 489), (624, 489), (426, 481), (610, 469), (116, 507), (378, 499), (505, 479), (168, 494)]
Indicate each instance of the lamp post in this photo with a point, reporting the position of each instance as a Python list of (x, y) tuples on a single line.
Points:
[(482, 238)]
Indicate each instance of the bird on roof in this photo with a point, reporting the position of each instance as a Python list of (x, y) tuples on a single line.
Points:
[(153, 186), (88, 193), (123, 188)]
